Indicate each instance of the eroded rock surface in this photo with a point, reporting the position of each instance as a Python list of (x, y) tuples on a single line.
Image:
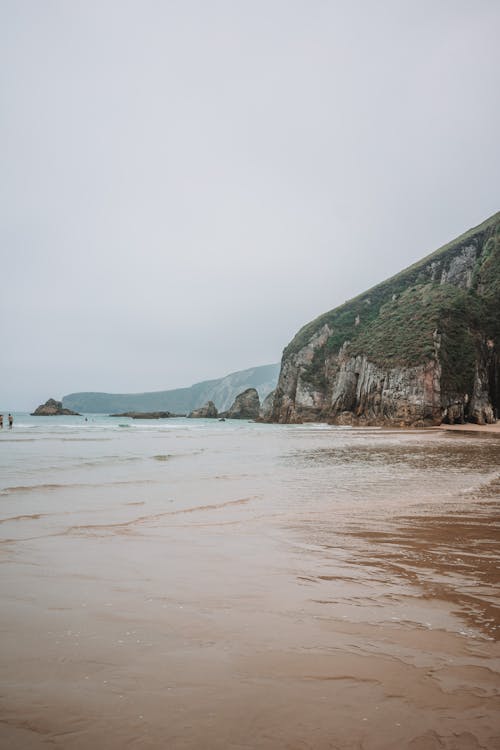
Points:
[(246, 406), (418, 349), (266, 408), (208, 411)]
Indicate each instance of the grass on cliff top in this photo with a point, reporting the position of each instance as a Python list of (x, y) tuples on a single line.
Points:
[(403, 332), (342, 319), (487, 279)]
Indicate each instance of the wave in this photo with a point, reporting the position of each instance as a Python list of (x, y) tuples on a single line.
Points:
[(488, 489), (168, 456), (45, 439), (215, 506), (80, 440), (64, 486), (28, 517), (33, 487), (104, 460), (123, 526), (19, 440)]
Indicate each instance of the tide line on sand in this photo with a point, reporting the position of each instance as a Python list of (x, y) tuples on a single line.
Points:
[(471, 427)]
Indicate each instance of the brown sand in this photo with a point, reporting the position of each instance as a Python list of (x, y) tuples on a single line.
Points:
[(470, 427), (244, 620)]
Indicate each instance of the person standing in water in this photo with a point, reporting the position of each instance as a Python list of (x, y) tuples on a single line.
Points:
[(11, 420), (1, 421)]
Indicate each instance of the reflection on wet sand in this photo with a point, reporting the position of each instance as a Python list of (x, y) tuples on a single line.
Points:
[(454, 558)]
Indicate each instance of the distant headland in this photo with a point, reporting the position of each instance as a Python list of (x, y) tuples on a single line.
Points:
[(222, 391)]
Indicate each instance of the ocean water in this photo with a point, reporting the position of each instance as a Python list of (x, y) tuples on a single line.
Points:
[(194, 583)]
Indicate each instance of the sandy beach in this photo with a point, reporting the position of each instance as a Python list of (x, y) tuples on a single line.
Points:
[(470, 427), (282, 587)]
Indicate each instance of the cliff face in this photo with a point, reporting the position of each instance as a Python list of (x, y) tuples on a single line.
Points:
[(420, 348)]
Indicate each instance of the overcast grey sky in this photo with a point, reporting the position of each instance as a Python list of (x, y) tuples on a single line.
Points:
[(185, 184)]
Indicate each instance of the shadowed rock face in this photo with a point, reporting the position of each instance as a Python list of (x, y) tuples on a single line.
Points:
[(418, 349), (266, 409), (209, 411), (246, 406), (52, 408)]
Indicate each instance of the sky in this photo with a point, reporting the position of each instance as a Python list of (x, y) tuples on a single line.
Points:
[(183, 185)]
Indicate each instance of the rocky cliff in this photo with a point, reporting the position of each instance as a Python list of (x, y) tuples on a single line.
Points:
[(418, 349)]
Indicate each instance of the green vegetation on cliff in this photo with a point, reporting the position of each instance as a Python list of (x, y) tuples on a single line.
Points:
[(426, 317), (487, 281), (433, 308)]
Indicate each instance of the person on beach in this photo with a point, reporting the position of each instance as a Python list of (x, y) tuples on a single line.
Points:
[(1, 421), (11, 420)]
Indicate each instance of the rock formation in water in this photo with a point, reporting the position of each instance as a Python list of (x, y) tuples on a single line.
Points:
[(209, 411), (418, 349), (246, 406), (53, 408), (147, 414)]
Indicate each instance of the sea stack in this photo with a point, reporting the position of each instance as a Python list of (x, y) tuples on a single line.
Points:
[(208, 411), (245, 406), (53, 408)]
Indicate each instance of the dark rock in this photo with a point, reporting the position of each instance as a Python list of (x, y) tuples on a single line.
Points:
[(53, 408), (267, 407), (246, 406), (209, 411)]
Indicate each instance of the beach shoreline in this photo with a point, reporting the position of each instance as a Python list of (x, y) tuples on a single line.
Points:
[(487, 429), (195, 585)]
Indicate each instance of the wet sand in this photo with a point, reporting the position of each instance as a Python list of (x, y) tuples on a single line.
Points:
[(239, 608), (470, 427)]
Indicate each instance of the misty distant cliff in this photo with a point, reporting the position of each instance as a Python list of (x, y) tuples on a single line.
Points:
[(221, 391), (419, 348)]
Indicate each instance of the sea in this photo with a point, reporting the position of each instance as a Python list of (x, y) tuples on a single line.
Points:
[(187, 583)]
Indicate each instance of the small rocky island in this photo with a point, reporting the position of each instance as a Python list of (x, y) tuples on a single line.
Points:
[(53, 408), (245, 406), (208, 411)]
